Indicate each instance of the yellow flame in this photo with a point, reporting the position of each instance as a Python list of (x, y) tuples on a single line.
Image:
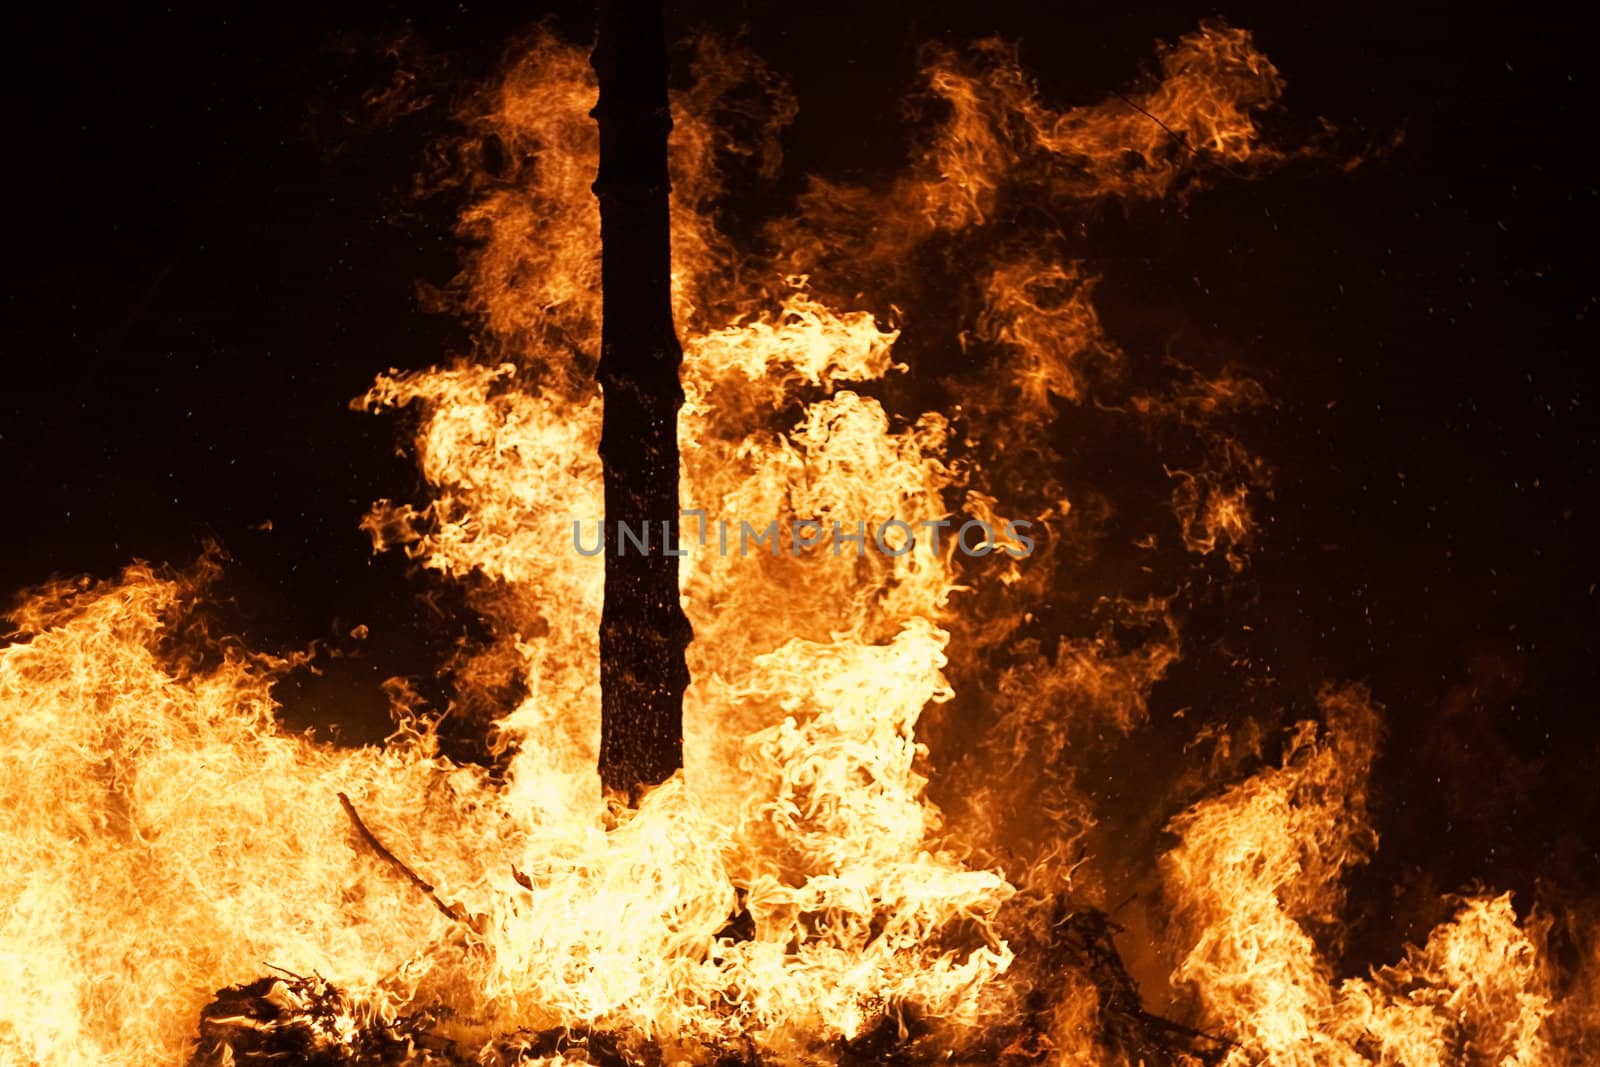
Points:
[(1255, 885)]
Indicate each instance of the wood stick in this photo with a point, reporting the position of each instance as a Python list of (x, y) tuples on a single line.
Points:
[(450, 911)]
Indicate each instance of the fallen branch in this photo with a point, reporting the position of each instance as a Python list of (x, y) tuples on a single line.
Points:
[(450, 911)]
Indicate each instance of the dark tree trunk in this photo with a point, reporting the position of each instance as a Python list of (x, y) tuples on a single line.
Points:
[(643, 631)]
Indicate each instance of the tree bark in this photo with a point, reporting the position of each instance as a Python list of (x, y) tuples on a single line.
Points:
[(643, 630)]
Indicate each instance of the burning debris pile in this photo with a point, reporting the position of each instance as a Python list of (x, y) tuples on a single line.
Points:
[(303, 1020), (794, 896)]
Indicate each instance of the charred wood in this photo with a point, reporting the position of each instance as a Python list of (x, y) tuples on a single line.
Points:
[(643, 630)]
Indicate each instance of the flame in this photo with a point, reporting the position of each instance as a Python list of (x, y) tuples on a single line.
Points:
[(797, 886), (1255, 884)]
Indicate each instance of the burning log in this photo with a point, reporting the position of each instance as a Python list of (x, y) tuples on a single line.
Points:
[(296, 1019), (301, 1020), (643, 630)]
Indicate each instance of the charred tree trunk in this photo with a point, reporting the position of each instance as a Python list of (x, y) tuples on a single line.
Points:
[(643, 631)]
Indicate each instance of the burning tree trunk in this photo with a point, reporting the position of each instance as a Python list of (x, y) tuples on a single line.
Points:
[(643, 630)]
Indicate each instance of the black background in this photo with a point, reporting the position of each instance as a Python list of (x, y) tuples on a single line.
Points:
[(207, 257)]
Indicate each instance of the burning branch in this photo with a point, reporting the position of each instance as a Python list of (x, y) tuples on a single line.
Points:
[(450, 911)]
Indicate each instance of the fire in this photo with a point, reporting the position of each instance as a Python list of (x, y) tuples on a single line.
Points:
[(796, 889), (1257, 876)]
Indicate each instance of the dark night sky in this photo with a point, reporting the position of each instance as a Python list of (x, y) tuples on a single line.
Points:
[(206, 262)]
